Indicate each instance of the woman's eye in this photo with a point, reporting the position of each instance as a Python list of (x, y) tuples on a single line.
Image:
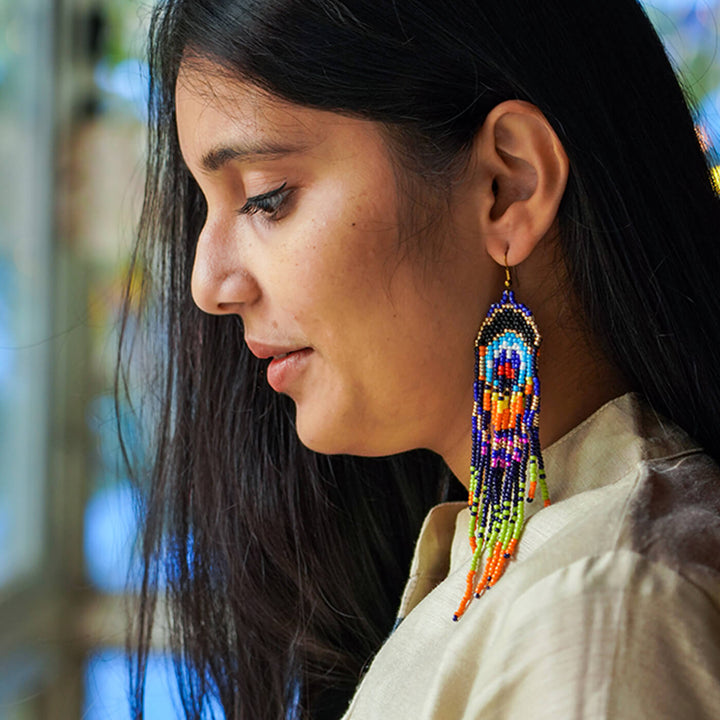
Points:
[(270, 203)]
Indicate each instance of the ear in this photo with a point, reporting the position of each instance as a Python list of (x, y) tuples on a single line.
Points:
[(519, 171)]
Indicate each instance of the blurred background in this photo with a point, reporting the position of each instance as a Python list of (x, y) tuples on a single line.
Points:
[(73, 88)]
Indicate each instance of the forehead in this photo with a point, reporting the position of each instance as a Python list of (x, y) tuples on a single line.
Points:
[(218, 113)]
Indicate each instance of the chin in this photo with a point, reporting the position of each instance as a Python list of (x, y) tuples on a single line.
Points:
[(323, 440), (340, 440), (321, 435)]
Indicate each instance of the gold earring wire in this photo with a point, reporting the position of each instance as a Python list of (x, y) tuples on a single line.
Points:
[(508, 281)]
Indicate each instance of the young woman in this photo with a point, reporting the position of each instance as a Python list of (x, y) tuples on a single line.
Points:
[(339, 192)]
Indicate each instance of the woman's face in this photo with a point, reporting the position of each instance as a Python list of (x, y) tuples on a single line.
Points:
[(371, 326)]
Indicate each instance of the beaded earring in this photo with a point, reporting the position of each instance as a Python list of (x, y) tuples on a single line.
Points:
[(506, 453)]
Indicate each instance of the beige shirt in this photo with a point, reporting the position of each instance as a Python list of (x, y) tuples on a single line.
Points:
[(611, 608)]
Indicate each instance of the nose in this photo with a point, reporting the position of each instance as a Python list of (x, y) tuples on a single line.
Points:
[(221, 284)]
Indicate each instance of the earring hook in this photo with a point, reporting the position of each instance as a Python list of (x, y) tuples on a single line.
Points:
[(508, 280)]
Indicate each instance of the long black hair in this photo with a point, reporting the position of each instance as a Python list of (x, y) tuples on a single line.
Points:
[(283, 567)]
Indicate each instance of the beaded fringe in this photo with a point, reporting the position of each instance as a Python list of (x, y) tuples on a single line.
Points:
[(506, 453)]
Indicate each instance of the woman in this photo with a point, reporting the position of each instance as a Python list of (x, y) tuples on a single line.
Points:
[(338, 192)]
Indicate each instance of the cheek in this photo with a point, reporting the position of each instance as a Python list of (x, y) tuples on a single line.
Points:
[(340, 273)]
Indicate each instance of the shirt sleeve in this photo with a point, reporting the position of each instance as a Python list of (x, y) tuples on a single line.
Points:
[(613, 637)]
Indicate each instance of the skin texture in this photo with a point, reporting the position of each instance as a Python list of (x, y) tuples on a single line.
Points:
[(390, 324)]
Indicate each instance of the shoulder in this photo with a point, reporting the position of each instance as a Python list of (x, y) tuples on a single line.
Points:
[(673, 514), (615, 613), (616, 635)]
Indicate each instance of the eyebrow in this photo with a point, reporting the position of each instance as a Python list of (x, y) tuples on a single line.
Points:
[(219, 156)]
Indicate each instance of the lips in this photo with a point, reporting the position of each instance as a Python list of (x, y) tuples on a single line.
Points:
[(286, 366)]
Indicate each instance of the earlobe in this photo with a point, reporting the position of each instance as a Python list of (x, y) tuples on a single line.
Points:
[(521, 173)]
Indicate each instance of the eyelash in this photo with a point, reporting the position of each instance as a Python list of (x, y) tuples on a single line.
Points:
[(269, 203)]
